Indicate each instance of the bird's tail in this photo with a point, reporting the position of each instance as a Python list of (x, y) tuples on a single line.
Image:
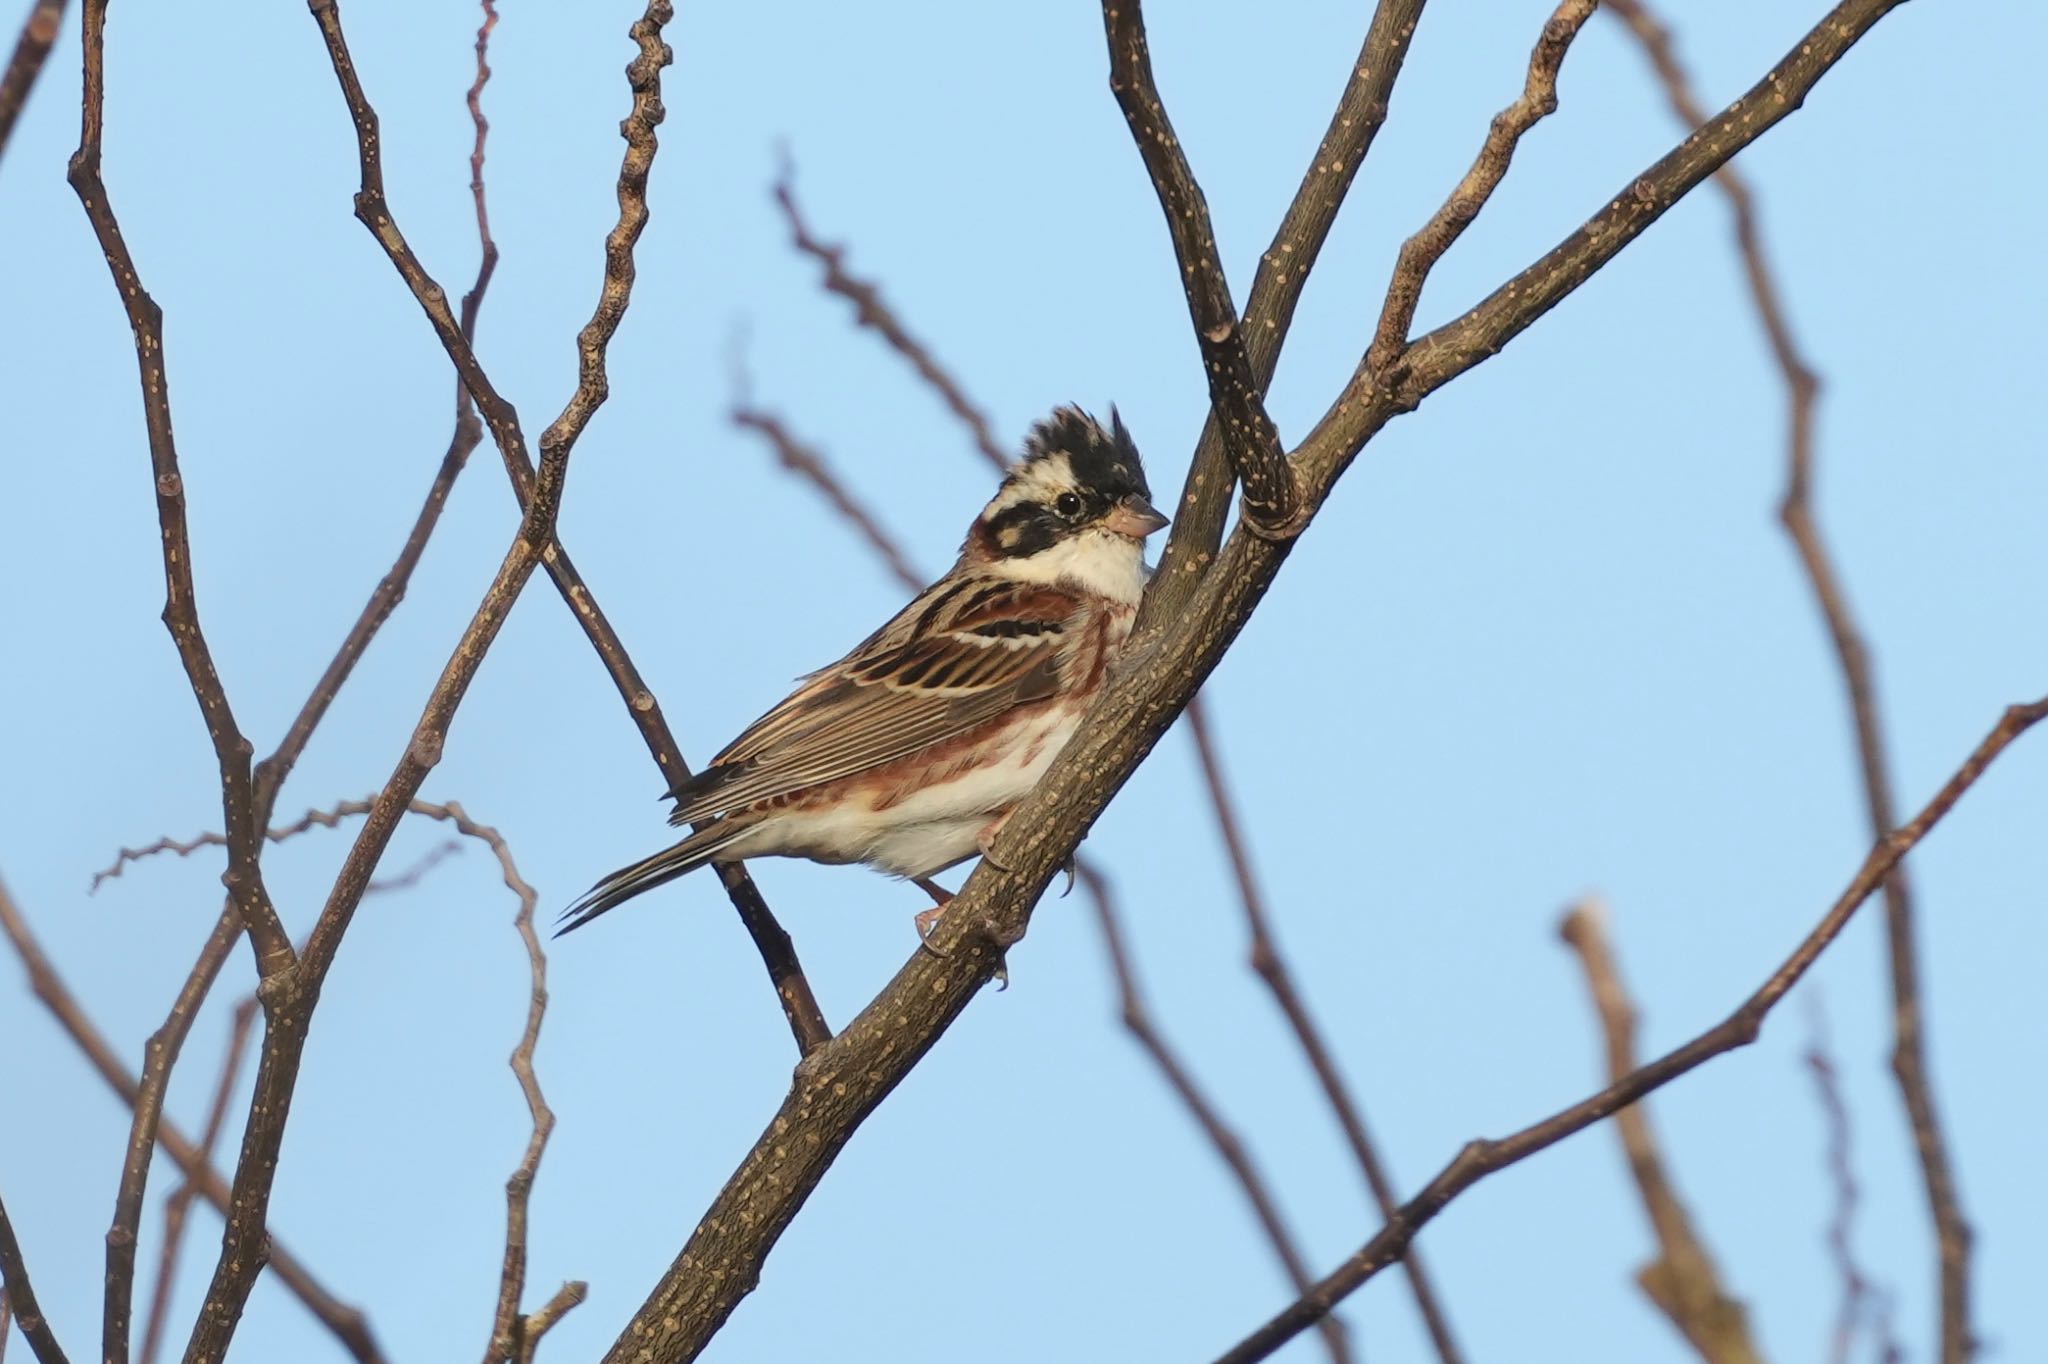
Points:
[(665, 866)]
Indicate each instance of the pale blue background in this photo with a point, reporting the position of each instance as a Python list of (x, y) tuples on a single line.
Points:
[(1547, 638)]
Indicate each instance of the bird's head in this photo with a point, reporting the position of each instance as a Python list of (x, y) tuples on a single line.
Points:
[(1077, 507)]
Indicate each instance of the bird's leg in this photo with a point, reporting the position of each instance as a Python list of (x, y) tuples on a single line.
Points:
[(928, 919), (985, 841)]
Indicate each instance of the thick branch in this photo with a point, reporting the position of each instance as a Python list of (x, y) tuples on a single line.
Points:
[(1236, 395), (1682, 1280), (1802, 387), (1481, 1158), (838, 1086)]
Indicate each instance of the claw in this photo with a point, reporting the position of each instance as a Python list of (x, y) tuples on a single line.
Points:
[(984, 843), (1068, 868)]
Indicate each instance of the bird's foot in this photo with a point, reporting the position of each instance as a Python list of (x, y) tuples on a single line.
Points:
[(985, 843), (927, 920)]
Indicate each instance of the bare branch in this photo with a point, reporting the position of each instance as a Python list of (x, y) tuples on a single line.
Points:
[(1862, 1301), (1272, 502), (38, 35), (793, 990), (541, 1322), (21, 1297), (1276, 288), (289, 1002), (244, 877), (508, 1327), (841, 1083), (870, 310), (417, 872), (1483, 1157), (808, 464), (347, 1323), (1802, 387), (1138, 1020), (1682, 1280), (1421, 252), (179, 1205), (1271, 968)]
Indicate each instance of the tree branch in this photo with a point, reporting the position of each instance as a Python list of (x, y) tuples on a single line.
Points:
[(38, 36), (870, 310), (1860, 1298), (289, 999), (1137, 1019), (836, 1087), (1277, 285), (1802, 386), (1272, 502), (1272, 968), (1481, 1158), (1421, 252), (792, 988), (179, 1205), (347, 1323), (1682, 1281), (21, 1297)]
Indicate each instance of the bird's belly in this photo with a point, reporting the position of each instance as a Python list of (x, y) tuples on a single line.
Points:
[(926, 812)]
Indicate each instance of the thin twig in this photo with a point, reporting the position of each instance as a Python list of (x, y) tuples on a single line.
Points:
[(870, 310), (808, 464), (1863, 1302), (178, 1206), (38, 36), (1421, 252), (1802, 387), (1272, 500), (1484, 1157), (417, 872), (1272, 968), (1682, 1281), (507, 1330), (1137, 1019), (348, 1324), (21, 1297)]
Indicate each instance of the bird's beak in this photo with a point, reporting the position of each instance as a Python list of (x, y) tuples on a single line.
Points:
[(1134, 517)]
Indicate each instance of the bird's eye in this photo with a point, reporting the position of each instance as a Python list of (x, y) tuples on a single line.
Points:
[(1067, 505)]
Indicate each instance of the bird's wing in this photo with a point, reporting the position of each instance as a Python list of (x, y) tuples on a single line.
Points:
[(966, 651)]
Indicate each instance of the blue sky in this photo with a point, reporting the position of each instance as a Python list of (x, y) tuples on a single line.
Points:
[(1546, 638)]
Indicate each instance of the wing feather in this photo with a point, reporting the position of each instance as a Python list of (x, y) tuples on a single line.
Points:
[(967, 651)]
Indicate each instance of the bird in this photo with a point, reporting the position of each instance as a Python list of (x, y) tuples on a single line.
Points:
[(909, 753)]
